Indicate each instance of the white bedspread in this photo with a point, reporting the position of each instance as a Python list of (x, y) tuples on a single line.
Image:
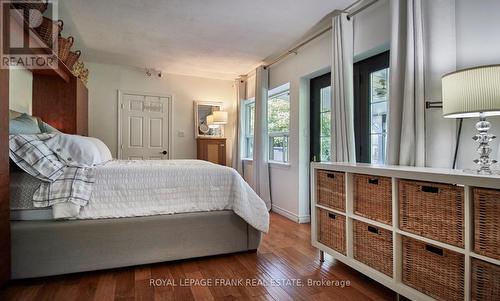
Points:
[(142, 188)]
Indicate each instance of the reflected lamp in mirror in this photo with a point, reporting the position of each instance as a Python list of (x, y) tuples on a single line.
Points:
[(220, 117), (210, 122), (474, 93)]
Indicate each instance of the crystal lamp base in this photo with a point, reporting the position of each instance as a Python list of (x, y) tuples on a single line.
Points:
[(484, 149)]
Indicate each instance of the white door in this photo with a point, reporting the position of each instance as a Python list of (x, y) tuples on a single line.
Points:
[(144, 125)]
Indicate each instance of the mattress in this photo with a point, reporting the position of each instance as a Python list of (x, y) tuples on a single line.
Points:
[(125, 188), (146, 188)]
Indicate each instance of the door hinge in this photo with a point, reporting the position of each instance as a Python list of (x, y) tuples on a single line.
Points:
[(121, 146), (122, 105)]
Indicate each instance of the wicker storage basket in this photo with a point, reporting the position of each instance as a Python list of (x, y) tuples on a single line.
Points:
[(27, 5), (331, 189), (434, 271), (40, 5), (64, 47), (487, 222), (432, 210), (73, 56), (373, 197), (373, 247), (49, 30), (331, 230), (485, 281)]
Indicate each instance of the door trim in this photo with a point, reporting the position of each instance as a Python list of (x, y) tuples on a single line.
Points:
[(120, 93)]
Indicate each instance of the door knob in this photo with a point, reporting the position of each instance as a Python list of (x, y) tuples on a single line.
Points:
[(164, 152)]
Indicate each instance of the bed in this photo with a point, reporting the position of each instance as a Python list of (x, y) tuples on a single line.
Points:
[(139, 212)]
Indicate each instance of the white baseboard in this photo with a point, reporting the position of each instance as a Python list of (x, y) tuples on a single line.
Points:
[(303, 219)]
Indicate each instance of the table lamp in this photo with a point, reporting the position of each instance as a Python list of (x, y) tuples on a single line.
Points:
[(474, 92)]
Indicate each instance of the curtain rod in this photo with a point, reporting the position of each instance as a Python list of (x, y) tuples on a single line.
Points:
[(303, 43)]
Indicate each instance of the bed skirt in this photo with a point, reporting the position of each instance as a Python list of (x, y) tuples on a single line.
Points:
[(45, 248)]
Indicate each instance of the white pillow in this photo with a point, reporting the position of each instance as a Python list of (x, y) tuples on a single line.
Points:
[(103, 150), (79, 150)]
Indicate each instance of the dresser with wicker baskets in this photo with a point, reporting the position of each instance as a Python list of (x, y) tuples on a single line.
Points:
[(427, 234)]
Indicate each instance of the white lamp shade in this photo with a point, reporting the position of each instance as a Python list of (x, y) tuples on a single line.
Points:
[(210, 122), (469, 92), (220, 117)]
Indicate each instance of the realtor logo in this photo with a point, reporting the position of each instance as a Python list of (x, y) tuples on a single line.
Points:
[(30, 36)]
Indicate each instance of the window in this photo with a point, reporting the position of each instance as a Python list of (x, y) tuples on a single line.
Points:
[(371, 95), (248, 113), (278, 112)]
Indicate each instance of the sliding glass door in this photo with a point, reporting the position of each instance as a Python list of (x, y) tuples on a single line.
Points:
[(320, 118), (371, 96)]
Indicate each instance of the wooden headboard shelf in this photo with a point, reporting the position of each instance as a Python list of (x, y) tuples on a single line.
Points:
[(38, 47)]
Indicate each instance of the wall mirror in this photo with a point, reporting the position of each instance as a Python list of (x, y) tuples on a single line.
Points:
[(202, 126)]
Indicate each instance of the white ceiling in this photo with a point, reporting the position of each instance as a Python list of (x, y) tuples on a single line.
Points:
[(207, 38)]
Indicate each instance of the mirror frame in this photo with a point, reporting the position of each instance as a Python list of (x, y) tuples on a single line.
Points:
[(196, 104)]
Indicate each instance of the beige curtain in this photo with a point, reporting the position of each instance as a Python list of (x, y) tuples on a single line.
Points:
[(406, 130), (261, 137), (240, 94), (342, 142)]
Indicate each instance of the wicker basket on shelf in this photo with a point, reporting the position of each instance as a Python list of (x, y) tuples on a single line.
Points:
[(28, 5), (432, 270), (64, 47), (331, 230), (73, 56), (486, 222), (485, 280), (331, 189), (373, 246), (432, 210), (40, 5), (373, 197), (49, 30)]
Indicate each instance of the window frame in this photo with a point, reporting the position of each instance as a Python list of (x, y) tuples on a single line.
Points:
[(273, 94), (245, 113)]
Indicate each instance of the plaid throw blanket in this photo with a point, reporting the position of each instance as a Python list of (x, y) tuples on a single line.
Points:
[(61, 183)]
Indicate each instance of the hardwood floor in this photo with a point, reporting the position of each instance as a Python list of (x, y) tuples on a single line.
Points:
[(284, 258)]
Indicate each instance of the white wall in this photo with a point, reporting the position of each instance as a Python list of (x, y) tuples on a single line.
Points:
[(20, 90), (478, 43), (440, 58), (290, 184), (106, 80)]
